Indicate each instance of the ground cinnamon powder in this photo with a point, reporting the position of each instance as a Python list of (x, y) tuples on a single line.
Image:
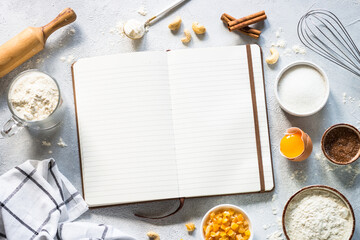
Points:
[(342, 144)]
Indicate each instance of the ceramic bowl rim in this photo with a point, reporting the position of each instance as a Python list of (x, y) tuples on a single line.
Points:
[(221, 206), (295, 64), (325, 188)]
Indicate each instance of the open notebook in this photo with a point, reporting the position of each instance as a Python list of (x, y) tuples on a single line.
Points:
[(182, 123)]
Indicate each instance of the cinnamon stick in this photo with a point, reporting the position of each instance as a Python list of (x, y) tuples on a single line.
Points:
[(232, 25), (226, 18), (244, 19), (251, 32)]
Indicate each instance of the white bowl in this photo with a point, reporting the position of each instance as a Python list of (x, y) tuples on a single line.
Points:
[(295, 64), (226, 207)]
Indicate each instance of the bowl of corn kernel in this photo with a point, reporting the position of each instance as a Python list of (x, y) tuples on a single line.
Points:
[(228, 222)]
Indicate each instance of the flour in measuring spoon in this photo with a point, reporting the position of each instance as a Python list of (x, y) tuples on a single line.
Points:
[(34, 96)]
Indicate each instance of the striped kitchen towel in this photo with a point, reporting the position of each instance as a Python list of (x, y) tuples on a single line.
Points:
[(38, 202)]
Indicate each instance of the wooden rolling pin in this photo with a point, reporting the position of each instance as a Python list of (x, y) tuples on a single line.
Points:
[(30, 41)]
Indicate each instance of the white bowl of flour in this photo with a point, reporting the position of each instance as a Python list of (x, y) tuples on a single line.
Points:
[(302, 88), (318, 212)]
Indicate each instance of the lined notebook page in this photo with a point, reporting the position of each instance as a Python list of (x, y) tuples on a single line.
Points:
[(262, 116), (213, 121), (125, 128)]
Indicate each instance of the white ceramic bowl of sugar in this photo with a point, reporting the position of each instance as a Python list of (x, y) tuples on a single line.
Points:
[(303, 203), (302, 88)]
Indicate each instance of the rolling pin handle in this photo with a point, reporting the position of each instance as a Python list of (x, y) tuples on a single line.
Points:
[(66, 17)]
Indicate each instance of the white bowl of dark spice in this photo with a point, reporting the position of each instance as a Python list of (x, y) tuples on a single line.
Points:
[(318, 212), (341, 144), (302, 88)]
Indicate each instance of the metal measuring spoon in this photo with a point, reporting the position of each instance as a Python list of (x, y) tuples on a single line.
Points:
[(135, 29)]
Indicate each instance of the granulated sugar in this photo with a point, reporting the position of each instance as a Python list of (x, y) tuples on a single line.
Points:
[(302, 89)]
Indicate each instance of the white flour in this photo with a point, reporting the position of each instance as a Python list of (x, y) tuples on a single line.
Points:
[(302, 89), (134, 29), (318, 215), (34, 96)]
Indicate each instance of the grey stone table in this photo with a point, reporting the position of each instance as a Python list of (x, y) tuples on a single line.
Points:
[(96, 34)]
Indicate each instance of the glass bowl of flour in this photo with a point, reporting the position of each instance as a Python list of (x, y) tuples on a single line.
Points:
[(318, 212), (302, 88), (34, 101)]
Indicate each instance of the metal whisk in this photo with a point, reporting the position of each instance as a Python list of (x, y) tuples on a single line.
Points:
[(322, 32)]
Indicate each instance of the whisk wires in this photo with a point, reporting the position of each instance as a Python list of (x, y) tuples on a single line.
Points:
[(322, 32)]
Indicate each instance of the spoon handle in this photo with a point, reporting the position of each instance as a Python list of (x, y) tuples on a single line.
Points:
[(165, 10)]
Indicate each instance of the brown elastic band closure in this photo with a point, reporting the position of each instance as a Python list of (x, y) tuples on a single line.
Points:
[(256, 118), (182, 201)]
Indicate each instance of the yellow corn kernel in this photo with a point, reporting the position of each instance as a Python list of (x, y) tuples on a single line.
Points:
[(231, 233), (190, 227), (216, 227), (234, 226), (212, 215), (241, 230), (223, 227), (225, 220), (207, 231), (222, 234), (241, 217), (239, 237), (247, 232)]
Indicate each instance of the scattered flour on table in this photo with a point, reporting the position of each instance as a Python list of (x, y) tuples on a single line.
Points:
[(318, 214), (61, 143), (287, 52), (282, 43), (299, 49), (274, 197), (275, 236), (274, 211), (351, 171), (142, 10), (299, 175), (45, 143), (266, 226), (118, 29), (69, 59), (72, 31), (34, 96), (344, 97)]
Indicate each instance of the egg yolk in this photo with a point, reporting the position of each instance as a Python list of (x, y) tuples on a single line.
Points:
[(292, 145)]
